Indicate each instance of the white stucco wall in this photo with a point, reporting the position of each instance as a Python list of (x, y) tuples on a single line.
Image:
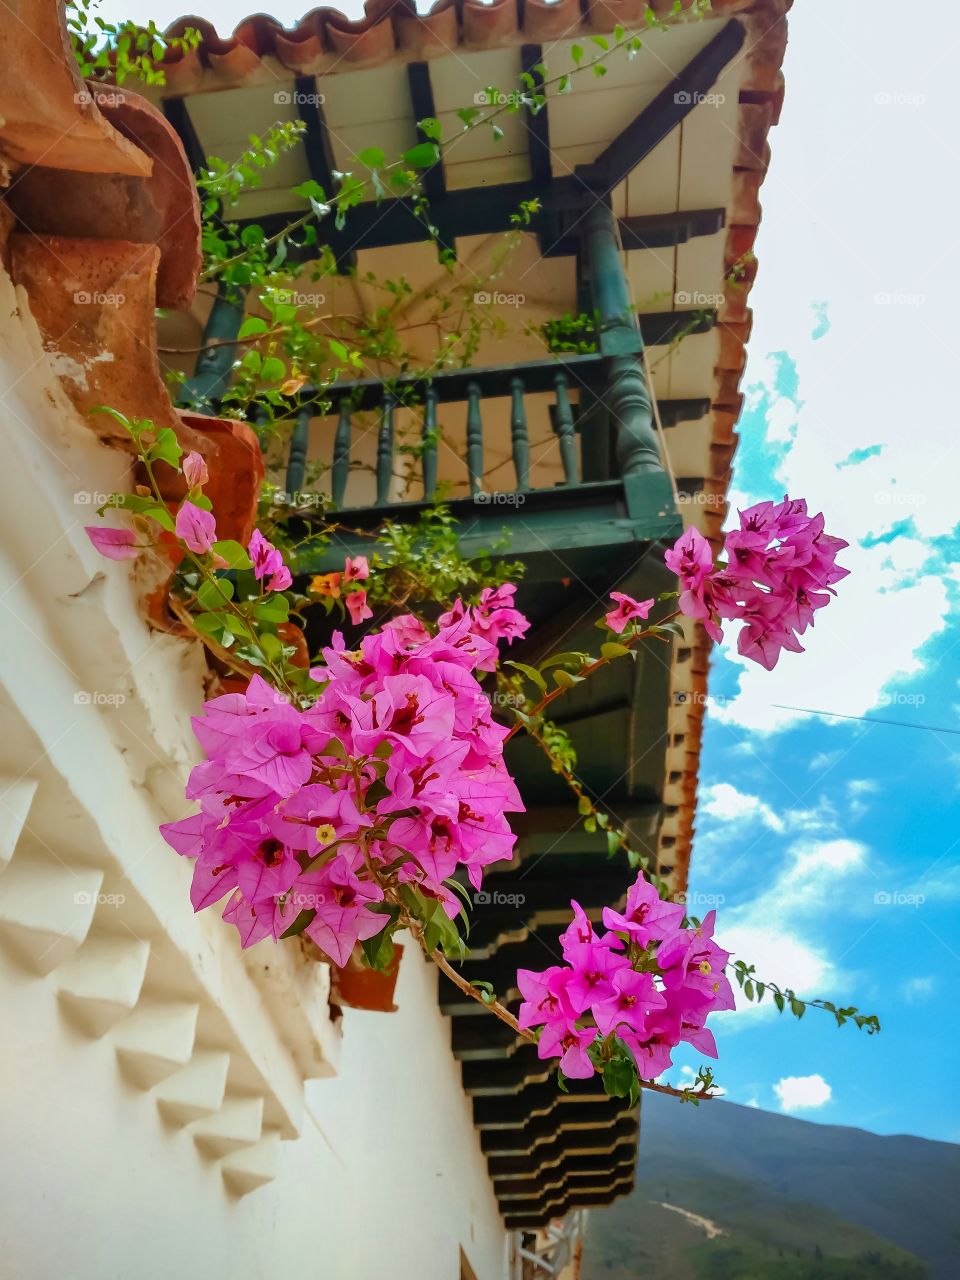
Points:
[(369, 1168), (384, 1181)]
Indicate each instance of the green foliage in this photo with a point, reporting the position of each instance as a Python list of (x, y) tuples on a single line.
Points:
[(120, 50), (568, 334), (418, 566), (786, 998)]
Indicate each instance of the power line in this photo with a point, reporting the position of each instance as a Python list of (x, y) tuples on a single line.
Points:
[(838, 715)]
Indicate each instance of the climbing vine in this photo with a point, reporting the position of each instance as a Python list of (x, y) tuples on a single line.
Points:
[(362, 790)]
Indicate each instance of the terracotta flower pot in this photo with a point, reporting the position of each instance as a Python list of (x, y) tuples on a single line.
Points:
[(358, 987)]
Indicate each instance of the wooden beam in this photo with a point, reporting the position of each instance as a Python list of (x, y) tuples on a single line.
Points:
[(318, 149), (668, 109), (474, 211), (538, 124), (424, 108), (178, 115), (662, 231)]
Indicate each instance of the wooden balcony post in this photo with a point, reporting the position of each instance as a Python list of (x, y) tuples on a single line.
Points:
[(297, 457), (626, 397), (211, 374)]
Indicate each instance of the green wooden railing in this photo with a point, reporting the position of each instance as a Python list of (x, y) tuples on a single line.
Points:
[(582, 375)]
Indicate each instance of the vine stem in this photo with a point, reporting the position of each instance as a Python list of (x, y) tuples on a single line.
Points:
[(588, 670), (484, 118)]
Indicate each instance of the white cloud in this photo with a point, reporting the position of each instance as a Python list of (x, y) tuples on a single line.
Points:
[(918, 989), (726, 803), (753, 1102), (798, 1093), (858, 789), (779, 931), (890, 312)]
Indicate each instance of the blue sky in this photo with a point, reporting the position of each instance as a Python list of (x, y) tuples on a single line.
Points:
[(834, 842), (806, 822)]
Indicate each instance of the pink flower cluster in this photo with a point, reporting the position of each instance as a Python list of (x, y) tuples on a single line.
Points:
[(393, 776), (649, 982), (780, 569)]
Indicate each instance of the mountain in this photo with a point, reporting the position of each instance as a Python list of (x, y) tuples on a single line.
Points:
[(781, 1199)]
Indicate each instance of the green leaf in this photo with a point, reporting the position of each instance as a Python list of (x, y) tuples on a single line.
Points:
[(565, 680), (166, 448), (422, 156), (300, 923), (576, 53), (252, 325), (380, 951), (275, 609), (233, 553), (531, 673), (430, 128), (272, 369), (612, 650), (271, 646), (372, 158), (570, 659), (213, 594)]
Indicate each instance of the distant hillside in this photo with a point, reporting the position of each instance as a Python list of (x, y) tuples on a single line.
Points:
[(794, 1201)]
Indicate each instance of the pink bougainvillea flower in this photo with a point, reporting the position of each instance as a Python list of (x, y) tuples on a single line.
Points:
[(646, 915), (627, 609), (254, 921), (409, 630), (115, 544), (781, 567), (356, 569), (196, 528), (340, 898), (358, 608), (543, 996), (570, 1045), (268, 563), (195, 470), (634, 996)]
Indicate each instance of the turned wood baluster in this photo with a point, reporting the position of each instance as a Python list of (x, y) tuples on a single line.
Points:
[(297, 457), (429, 457), (627, 397), (385, 450), (474, 438), (518, 434), (646, 486), (341, 453), (565, 431)]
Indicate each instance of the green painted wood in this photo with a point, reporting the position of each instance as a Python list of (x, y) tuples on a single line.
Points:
[(211, 375), (429, 456), (647, 487), (340, 470), (297, 458), (519, 440), (474, 438), (619, 332), (385, 451), (671, 106), (450, 386), (565, 431)]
